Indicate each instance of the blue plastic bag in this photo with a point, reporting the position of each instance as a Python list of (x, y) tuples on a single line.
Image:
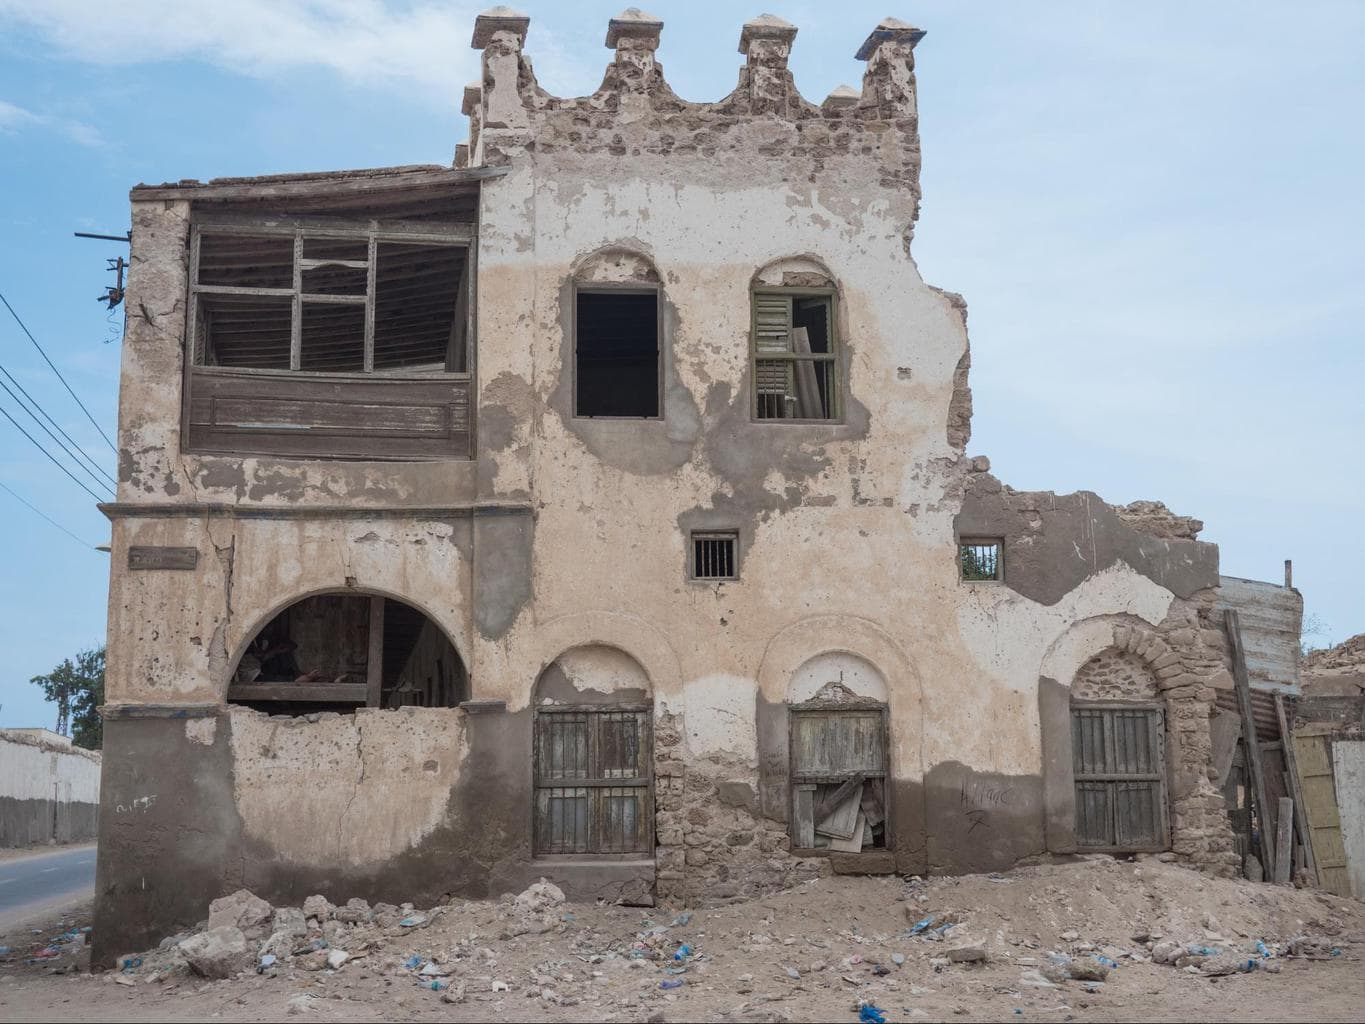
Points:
[(870, 1014)]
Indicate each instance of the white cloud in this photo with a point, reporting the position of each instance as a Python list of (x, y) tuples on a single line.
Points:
[(14, 118), (421, 44)]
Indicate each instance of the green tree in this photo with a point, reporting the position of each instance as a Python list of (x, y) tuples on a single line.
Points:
[(78, 691)]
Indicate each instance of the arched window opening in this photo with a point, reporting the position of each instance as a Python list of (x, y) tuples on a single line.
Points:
[(339, 652)]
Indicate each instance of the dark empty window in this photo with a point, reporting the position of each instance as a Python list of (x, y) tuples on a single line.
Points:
[(713, 556), (616, 354), (980, 560)]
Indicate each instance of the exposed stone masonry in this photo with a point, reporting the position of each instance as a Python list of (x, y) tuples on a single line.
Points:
[(712, 844), (1186, 657), (1114, 675)]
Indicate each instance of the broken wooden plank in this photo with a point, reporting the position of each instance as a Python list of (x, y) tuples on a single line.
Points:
[(374, 655), (1232, 626), (1225, 730), (803, 816), (1296, 791), (839, 796), (326, 693), (872, 805), (1284, 837), (854, 842), (840, 823)]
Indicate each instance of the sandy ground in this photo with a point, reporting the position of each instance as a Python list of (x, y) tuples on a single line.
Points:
[(812, 953)]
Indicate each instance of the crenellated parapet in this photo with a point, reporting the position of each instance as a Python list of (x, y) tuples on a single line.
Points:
[(635, 112)]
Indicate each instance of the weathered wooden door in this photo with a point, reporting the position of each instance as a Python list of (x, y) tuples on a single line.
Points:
[(1314, 756), (593, 780), (1119, 765)]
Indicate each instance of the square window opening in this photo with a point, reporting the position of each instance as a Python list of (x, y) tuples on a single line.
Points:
[(715, 556), (616, 354), (981, 561), (795, 357)]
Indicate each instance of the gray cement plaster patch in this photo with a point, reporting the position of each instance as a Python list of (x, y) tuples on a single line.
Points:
[(1053, 542)]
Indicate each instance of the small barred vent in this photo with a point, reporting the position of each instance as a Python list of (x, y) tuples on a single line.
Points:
[(713, 556)]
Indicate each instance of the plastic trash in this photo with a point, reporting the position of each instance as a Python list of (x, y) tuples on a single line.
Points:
[(1196, 950), (1336, 951), (267, 961), (413, 920), (793, 973), (413, 962), (682, 920), (1100, 958), (672, 983), (126, 964), (1263, 949), (684, 951), (869, 1014), (437, 984), (898, 958), (922, 924)]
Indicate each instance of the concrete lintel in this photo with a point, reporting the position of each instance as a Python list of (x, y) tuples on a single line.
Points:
[(766, 26), (499, 19), (891, 30), (633, 23), (212, 510)]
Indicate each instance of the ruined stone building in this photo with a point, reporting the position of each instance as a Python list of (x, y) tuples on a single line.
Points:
[(599, 508)]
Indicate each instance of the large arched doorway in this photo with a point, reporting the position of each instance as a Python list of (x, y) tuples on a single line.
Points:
[(343, 651), (593, 758)]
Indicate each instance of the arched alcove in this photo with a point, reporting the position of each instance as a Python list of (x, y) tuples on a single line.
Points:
[(347, 650)]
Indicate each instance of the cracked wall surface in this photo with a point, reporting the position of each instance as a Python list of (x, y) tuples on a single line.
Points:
[(559, 552)]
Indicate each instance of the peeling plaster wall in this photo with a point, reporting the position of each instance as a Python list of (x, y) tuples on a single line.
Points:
[(567, 566)]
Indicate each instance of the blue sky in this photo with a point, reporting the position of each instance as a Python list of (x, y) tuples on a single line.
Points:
[(1154, 211)]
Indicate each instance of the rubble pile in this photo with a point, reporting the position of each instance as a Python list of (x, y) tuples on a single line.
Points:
[(1091, 933)]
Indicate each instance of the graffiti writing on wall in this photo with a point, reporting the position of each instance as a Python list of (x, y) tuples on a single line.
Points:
[(980, 798)]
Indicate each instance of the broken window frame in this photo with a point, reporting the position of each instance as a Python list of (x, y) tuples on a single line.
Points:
[(697, 537), (620, 288), (596, 782), (373, 233), (796, 780), (288, 696), (833, 357), (1155, 780), (998, 543)]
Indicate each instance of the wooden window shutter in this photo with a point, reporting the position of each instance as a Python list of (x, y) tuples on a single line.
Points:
[(773, 334)]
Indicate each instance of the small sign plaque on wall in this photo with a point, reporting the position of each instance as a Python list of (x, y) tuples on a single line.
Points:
[(148, 557)]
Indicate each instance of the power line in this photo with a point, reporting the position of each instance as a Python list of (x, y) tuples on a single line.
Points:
[(74, 443), (57, 372), (55, 461), (40, 512), (32, 416)]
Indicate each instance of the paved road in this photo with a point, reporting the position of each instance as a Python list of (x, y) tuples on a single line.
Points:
[(31, 882)]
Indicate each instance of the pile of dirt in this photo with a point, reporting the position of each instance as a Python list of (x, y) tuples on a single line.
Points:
[(1093, 937)]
